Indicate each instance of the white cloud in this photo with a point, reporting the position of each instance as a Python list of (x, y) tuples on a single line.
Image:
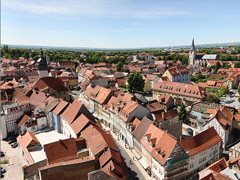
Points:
[(94, 8)]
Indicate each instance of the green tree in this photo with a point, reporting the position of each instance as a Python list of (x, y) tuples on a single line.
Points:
[(237, 65), (119, 65), (182, 113), (135, 82), (211, 99), (218, 65)]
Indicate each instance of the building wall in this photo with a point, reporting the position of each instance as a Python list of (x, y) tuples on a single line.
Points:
[(146, 156), (3, 127), (168, 74), (41, 122), (203, 159), (221, 132), (11, 115), (56, 122), (67, 130), (68, 172), (43, 73), (158, 170), (147, 86)]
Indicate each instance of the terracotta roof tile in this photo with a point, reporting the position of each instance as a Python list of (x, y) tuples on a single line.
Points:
[(23, 120), (60, 107), (80, 123), (200, 142), (110, 154), (74, 110), (50, 82), (98, 139), (191, 90), (103, 95), (162, 141), (61, 150)]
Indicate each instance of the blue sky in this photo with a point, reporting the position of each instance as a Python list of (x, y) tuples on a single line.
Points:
[(119, 23)]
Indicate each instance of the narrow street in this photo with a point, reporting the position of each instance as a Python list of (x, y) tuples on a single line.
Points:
[(135, 170)]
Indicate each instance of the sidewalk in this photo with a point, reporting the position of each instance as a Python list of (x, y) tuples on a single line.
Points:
[(128, 155)]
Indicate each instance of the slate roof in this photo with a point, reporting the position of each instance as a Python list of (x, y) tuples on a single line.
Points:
[(140, 130)]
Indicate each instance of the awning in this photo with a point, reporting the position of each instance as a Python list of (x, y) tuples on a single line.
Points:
[(136, 154), (143, 163)]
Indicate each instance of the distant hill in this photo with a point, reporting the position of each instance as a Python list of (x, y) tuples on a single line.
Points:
[(104, 49)]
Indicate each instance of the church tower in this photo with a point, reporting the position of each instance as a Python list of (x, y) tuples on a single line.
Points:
[(42, 66), (192, 54)]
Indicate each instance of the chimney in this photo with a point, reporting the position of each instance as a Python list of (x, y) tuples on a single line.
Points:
[(160, 125), (163, 115)]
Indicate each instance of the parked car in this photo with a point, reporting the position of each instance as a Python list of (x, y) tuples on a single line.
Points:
[(3, 170), (229, 101), (14, 145), (2, 154), (190, 131)]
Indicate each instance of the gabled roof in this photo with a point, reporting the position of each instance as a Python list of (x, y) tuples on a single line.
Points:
[(98, 139), (162, 143), (53, 83), (154, 107), (80, 123), (103, 95), (74, 110), (60, 107), (183, 89), (23, 120), (200, 142), (164, 98), (24, 142), (61, 150), (110, 154), (218, 166), (141, 129), (178, 70)]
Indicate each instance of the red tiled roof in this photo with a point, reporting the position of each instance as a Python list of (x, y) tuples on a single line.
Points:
[(113, 168), (61, 150), (60, 107), (178, 70), (164, 143), (183, 89), (110, 154), (24, 142), (74, 110), (103, 95), (23, 120), (218, 165), (154, 106), (81, 122), (98, 139), (50, 82), (200, 142)]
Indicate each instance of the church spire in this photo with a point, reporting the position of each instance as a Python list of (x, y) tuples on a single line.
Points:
[(193, 46)]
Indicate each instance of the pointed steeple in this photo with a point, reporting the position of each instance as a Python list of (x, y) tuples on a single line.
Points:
[(193, 46)]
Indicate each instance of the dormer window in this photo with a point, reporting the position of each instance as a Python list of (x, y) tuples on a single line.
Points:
[(158, 150), (147, 137)]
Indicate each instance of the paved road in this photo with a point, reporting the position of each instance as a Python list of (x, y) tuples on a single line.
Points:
[(14, 168), (135, 170)]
